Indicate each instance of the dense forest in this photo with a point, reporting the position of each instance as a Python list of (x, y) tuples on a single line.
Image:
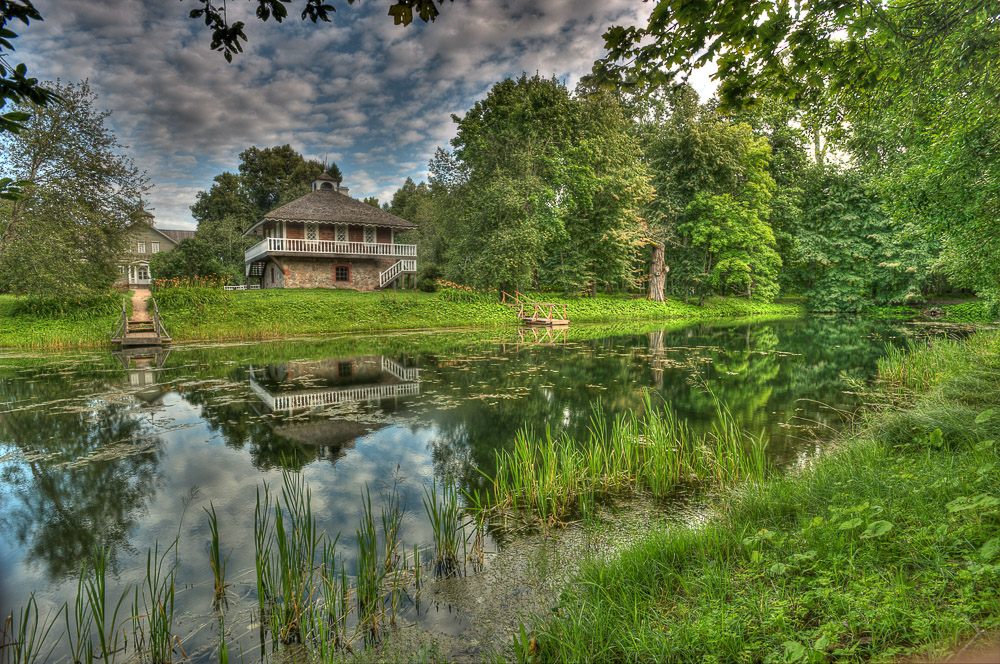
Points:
[(855, 166)]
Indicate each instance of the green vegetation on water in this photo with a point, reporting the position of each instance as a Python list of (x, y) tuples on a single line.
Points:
[(888, 546), (201, 313)]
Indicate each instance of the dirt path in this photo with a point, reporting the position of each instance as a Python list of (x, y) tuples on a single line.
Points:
[(139, 309)]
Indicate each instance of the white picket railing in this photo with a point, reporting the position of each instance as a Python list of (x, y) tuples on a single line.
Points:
[(334, 396), (331, 247), (242, 287), (397, 268), (399, 371)]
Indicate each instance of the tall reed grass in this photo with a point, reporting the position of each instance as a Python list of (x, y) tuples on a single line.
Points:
[(545, 479)]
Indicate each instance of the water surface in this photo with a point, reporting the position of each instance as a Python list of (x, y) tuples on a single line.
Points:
[(107, 450)]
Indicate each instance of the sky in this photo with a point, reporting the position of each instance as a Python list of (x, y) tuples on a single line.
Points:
[(373, 97)]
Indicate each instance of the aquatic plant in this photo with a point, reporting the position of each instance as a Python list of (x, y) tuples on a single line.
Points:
[(544, 479), (22, 638), (443, 512), (215, 557), (97, 602), (152, 619)]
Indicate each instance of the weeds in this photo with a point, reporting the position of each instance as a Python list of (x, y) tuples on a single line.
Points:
[(22, 639), (215, 557), (443, 512)]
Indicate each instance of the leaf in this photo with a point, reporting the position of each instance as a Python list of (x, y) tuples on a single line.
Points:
[(984, 416), (779, 568), (794, 651), (851, 524), (989, 550), (876, 529)]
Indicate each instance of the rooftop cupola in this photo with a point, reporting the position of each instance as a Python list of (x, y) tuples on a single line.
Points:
[(326, 181)]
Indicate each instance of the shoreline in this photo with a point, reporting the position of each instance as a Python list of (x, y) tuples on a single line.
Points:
[(216, 316), (877, 549)]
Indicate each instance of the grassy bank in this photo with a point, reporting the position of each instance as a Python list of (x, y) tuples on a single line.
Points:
[(35, 323), (887, 547), (202, 314)]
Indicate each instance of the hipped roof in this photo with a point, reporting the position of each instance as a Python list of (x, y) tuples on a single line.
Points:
[(332, 207)]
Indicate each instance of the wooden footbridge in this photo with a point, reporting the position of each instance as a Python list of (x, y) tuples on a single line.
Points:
[(536, 313), (144, 328)]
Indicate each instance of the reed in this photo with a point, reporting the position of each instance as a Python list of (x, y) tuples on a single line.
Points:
[(153, 608), (23, 638), (105, 626), (78, 632), (215, 557), (371, 571), (443, 512), (544, 480)]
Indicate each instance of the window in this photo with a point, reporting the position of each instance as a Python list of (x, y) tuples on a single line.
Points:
[(155, 247), (345, 369), (121, 269), (341, 232), (326, 185), (312, 232), (142, 247), (142, 273), (369, 234), (342, 273)]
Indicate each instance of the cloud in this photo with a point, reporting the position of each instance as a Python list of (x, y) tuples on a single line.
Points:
[(380, 95)]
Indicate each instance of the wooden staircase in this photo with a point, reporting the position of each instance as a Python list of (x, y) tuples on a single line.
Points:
[(399, 267), (142, 329), (536, 313)]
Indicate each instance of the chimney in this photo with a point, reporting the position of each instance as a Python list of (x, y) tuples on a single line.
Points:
[(344, 190)]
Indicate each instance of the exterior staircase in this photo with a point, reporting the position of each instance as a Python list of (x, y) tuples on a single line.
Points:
[(404, 266)]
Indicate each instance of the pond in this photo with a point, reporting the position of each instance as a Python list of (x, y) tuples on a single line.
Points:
[(124, 452)]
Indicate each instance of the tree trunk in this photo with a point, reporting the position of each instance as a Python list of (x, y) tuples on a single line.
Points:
[(657, 272)]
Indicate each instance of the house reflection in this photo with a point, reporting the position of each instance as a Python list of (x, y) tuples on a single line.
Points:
[(299, 392), (142, 369)]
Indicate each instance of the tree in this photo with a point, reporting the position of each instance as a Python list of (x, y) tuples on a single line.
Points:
[(80, 198), (274, 176), (192, 257), (547, 185)]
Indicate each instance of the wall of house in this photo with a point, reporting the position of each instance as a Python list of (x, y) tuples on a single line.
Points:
[(319, 273), (273, 277)]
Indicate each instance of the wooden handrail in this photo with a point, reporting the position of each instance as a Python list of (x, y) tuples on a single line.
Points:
[(121, 324)]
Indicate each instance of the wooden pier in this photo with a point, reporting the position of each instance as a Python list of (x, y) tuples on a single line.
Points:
[(545, 314), (144, 328)]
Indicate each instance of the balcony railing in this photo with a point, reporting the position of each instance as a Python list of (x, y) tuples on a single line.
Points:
[(329, 247)]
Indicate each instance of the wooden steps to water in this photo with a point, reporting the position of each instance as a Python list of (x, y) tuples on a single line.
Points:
[(542, 314), (142, 329)]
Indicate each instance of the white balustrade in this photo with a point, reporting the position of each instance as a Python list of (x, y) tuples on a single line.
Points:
[(330, 247)]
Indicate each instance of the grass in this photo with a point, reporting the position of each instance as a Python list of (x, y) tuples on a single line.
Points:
[(883, 549), (200, 314), (25, 323)]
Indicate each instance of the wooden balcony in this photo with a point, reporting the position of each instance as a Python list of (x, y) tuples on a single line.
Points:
[(279, 246)]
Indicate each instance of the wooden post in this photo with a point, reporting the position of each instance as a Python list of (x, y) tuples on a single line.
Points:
[(657, 272)]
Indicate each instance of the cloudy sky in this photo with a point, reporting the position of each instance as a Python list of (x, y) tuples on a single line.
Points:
[(375, 97)]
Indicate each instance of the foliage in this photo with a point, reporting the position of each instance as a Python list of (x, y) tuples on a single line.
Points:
[(548, 187), (226, 37), (885, 548), (192, 257), (80, 198), (46, 322), (15, 85), (850, 252)]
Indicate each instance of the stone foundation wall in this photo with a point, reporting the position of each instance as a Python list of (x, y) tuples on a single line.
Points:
[(320, 273)]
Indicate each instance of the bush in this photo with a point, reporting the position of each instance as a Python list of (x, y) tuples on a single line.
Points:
[(452, 292)]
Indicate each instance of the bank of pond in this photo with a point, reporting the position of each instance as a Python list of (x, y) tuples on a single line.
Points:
[(600, 494)]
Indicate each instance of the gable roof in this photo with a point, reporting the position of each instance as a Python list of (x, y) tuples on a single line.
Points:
[(330, 207), (175, 235)]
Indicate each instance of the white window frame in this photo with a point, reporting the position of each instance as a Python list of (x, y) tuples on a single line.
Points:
[(142, 247), (340, 232), (370, 231), (312, 232), (154, 247)]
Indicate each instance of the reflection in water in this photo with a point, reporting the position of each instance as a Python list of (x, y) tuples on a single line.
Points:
[(102, 451)]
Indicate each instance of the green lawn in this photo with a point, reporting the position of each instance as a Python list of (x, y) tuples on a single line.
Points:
[(209, 314), (885, 548)]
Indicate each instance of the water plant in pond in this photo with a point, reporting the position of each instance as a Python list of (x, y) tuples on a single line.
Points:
[(215, 556), (544, 479), (153, 608), (106, 627), (23, 638), (444, 514), (79, 622)]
